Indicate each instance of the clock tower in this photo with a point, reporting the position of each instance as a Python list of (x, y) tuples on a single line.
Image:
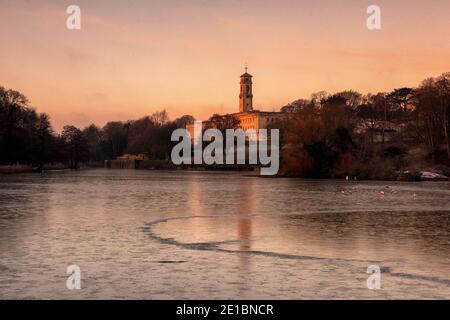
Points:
[(246, 95)]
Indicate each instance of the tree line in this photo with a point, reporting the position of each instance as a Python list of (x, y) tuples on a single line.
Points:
[(329, 135), (369, 136), (27, 137)]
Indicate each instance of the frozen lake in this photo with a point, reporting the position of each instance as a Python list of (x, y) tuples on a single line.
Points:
[(215, 235)]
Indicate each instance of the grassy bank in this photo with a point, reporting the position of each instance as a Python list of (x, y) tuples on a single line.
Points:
[(15, 169)]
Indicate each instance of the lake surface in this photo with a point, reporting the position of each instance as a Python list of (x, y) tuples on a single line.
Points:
[(215, 235)]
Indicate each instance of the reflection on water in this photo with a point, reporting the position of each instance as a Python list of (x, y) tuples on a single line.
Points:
[(156, 234)]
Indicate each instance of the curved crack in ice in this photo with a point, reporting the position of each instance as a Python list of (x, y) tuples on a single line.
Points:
[(215, 246)]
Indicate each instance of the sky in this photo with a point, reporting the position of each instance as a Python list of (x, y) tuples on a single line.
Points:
[(132, 58)]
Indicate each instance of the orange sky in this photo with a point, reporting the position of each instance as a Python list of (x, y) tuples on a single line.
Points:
[(132, 58)]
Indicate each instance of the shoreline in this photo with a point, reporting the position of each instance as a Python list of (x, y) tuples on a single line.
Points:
[(425, 175)]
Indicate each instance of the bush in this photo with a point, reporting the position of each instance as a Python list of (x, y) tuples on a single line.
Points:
[(394, 151)]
